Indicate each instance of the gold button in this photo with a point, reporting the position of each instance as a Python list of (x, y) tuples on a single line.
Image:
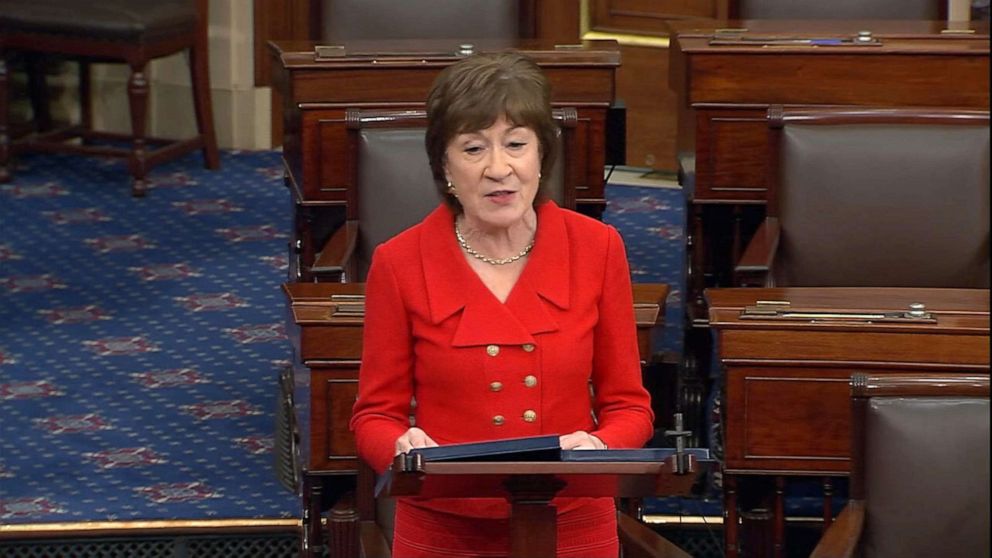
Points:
[(530, 416), (492, 350), (530, 381), (529, 348), (498, 420), (496, 386)]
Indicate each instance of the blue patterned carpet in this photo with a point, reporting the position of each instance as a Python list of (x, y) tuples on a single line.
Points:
[(140, 339)]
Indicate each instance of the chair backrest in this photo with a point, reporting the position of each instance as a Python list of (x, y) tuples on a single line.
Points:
[(344, 20), (393, 185), (920, 463), (838, 9), (880, 197)]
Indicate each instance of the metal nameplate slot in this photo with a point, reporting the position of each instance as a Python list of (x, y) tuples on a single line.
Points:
[(782, 310), (779, 41), (334, 52), (348, 306), (725, 38), (324, 52)]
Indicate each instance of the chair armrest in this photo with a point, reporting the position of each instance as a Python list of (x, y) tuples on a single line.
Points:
[(334, 257), (841, 538), (755, 266), (640, 541)]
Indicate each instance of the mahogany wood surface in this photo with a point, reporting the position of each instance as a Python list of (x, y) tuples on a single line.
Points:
[(724, 90), (571, 479), (787, 381), (786, 393)]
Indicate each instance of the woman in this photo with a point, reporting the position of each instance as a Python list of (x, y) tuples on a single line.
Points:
[(497, 313)]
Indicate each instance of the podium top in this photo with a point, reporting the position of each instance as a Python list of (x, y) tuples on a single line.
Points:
[(511, 479)]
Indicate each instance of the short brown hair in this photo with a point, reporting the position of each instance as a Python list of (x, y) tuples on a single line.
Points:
[(473, 93)]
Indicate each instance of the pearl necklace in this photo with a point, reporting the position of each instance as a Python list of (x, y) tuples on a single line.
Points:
[(491, 261)]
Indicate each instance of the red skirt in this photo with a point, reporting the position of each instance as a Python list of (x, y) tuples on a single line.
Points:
[(586, 531)]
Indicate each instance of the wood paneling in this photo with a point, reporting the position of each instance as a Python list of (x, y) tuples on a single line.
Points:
[(558, 21), (643, 28), (650, 16), (642, 84), (277, 20)]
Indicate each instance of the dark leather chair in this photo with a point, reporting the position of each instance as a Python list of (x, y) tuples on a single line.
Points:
[(393, 187), (874, 197), (920, 469), (132, 32), (344, 20)]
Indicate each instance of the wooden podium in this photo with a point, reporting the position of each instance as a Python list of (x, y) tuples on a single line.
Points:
[(530, 487), (327, 347), (317, 84), (788, 355)]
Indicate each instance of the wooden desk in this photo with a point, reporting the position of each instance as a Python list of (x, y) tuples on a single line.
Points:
[(327, 355), (786, 396), (316, 94), (724, 92)]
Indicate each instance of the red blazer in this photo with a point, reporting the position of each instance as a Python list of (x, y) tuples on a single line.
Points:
[(479, 369)]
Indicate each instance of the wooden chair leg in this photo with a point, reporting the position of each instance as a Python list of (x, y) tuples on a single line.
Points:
[(200, 78), (85, 99), (5, 171), (137, 94), (38, 91)]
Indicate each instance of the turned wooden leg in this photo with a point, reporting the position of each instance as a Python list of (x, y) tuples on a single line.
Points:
[(137, 94), (200, 78), (730, 541), (5, 170), (311, 539), (778, 533), (698, 256), (85, 98), (38, 92), (828, 502), (342, 527)]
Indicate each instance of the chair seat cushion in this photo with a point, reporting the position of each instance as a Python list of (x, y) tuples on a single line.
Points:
[(111, 20)]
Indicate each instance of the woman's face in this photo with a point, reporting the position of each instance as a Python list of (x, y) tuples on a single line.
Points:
[(495, 173)]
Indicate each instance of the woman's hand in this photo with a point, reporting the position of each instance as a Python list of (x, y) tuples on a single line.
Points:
[(413, 438), (580, 440)]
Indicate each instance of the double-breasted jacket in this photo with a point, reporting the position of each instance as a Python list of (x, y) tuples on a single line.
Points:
[(559, 355)]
